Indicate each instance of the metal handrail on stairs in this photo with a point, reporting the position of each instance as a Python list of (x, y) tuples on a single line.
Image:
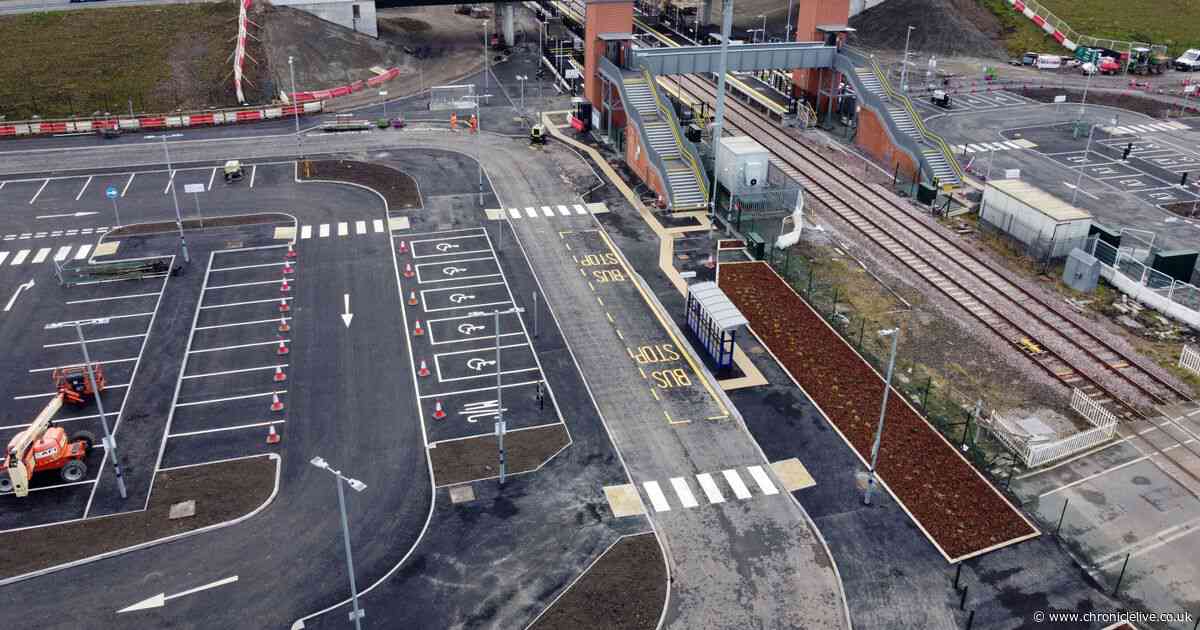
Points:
[(616, 77), (685, 151), (925, 132)]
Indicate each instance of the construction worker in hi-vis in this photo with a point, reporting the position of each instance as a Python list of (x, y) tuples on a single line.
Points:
[(474, 124), (453, 121)]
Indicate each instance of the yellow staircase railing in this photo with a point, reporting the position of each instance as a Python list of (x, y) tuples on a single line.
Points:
[(925, 132), (674, 125)]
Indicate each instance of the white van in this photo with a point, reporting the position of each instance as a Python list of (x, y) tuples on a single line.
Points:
[(1048, 62)]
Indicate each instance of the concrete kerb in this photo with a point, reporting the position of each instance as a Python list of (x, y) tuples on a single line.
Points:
[(882, 482), (151, 543)]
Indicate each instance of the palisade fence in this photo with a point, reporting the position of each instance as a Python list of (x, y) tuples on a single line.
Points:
[(1123, 267), (1036, 451), (1189, 359)]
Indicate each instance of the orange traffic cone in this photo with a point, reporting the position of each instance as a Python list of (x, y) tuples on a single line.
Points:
[(279, 375), (285, 287), (424, 371), (283, 349), (283, 305), (283, 325), (287, 267), (276, 404), (291, 253), (417, 330), (403, 247), (412, 298), (272, 435), (408, 270), (438, 413)]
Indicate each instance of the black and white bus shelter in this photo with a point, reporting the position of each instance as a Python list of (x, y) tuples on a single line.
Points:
[(715, 321)]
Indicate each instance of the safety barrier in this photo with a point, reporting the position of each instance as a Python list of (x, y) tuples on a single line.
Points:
[(151, 122), (1034, 454), (239, 53), (1189, 359), (357, 86)]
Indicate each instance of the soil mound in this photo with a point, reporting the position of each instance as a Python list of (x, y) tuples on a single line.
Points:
[(943, 27)]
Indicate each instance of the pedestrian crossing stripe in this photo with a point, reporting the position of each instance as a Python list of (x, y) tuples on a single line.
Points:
[(343, 229), (984, 147), (41, 255), (1128, 129), (624, 500), (546, 212)]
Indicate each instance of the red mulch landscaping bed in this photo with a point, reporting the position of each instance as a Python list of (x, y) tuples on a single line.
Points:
[(941, 490), (730, 244)]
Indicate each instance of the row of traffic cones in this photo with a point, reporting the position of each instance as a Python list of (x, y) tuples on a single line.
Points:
[(283, 327), (439, 412)]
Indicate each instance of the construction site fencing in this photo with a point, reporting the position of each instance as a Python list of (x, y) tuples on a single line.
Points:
[(1126, 270), (444, 97)]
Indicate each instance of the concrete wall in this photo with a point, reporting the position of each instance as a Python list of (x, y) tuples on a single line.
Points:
[(340, 12), (636, 160), (873, 138)]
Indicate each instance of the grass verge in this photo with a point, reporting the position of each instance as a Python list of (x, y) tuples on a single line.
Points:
[(1170, 22)]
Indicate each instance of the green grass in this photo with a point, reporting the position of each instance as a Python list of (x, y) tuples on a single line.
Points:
[(1175, 23), (76, 62)]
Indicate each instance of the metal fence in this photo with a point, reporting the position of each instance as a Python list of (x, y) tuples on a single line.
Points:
[(1030, 239), (1126, 269), (443, 97), (1034, 453), (1189, 359)]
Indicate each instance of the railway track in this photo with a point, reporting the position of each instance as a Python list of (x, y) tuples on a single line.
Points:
[(1063, 348)]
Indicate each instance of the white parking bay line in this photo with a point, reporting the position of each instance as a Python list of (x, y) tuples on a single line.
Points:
[(686, 498), (323, 230), (343, 228), (739, 488), (91, 341), (127, 183), (83, 188), (763, 481), (105, 299), (233, 428), (253, 174), (238, 371), (710, 488), (49, 394), (306, 231), (229, 398), (39, 191), (170, 181), (377, 225), (360, 227), (657, 498), (41, 254), (83, 252), (250, 323), (211, 177)]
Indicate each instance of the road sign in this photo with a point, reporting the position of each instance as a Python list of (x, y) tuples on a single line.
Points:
[(111, 192), (1061, 98), (193, 188)]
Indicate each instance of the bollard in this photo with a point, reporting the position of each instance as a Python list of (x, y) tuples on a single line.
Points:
[(1062, 516), (971, 619), (962, 602), (957, 573), (1122, 576)]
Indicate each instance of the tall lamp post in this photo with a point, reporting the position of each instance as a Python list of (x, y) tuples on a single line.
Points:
[(500, 427), (478, 142), (904, 64), (522, 78), (894, 333), (296, 108), (110, 443), (174, 196), (764, 26), (358, 613), (787, 32)]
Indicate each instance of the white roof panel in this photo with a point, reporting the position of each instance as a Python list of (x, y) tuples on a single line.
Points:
[(717, 305)]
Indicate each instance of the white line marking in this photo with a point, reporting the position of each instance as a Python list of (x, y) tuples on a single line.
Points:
[(211, 177), (41, 254), (253, 174), (229, 398), (657, 498), (324, 230), (248, 284), (233, 428), (343, 228), (240, 268), (127, 183), (491, 388), (250, 323), (83, 252), (514, 213), (563, 210), (39, 191), (3, 255), (547, 211), (61, 254), (763, 481), (238, 371), (170, 181), (241, 345), (83, 188), (105, 299), (58, 420), (49, 394), (91, 341), (271, 300), (531, 213), (360, 227), (710, 488), (579, 209), (20, 257), (377, 225), (104, 362), (306, 231), (739, 489), (686, 498)]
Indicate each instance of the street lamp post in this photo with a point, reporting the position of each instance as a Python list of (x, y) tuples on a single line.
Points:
[(500, 426), (764, 26), (787, 32), (484, 57), (904, 66), (522, 79), (478, 141), (110, 443), (1087, 151), (296, 108), (358, 613), (174, 197), (383, 99), (894, 333)]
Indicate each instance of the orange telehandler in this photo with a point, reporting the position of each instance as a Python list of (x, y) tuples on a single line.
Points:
[(43, 447)]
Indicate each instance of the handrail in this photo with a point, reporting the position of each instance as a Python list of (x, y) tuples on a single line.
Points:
[(910, 145), (615, 75), (684, 149), (925, 132)]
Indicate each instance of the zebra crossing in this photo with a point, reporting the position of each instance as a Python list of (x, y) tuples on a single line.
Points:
[(984, 147), (1125, 130), (546, 212), (687, 493), (346, 228), (24, 236), (40, 255)]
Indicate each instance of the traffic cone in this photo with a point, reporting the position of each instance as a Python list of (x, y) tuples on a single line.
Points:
[(279, 375), (417, 330), (276, 404), (287, 267), (283, 349), (283, 325), (272, 435), (283, 306), (412, 298), (424, 371), (408, 270), (438, 413), (403, 247), (291, 252), (285, 287)]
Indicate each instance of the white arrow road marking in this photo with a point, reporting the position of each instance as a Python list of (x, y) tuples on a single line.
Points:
[(347, 316), (158, 601), (67, 215), (20, 287)]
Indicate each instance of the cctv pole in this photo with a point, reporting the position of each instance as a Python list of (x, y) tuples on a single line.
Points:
[(904, 66), (787, 33), (357, 614), (1087, 150), (484, 56), (110, 443), (500, 428), (887, 387), (726, 27), (296, 108), (174, 197)]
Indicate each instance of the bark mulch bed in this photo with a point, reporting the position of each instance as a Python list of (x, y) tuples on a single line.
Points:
[(398, 188), (730, 244), (478, 457), (624, 590), (222, 492), (961, 512)]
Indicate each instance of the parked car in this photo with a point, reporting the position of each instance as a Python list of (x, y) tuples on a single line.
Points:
[(1029, 59), (1048, 62), (1188, 61)]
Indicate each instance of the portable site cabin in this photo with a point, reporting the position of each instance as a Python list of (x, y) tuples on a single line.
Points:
[(1034, 217)]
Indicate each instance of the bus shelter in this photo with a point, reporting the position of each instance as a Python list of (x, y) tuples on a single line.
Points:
[(714, 320)]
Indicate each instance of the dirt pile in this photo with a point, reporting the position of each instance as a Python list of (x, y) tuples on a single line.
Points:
[(943, 27)]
